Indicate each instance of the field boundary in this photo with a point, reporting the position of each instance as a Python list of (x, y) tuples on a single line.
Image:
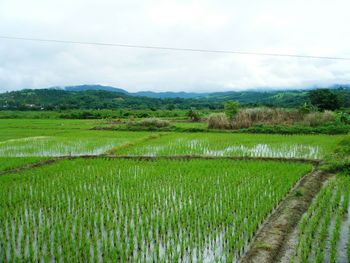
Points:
[(268, 244), (31, 165), (154, 158)]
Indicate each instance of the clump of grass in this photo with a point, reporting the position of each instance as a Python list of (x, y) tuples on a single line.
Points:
[(154, 122), (264, 245), (319, 118), (339, 160), (218, 121), (248, 117), (300, 192), (276, 116)]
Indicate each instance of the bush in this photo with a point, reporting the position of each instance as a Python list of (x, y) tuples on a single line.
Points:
[(255, 116), (193, 115), (218, 121), (231, 108), (319, 118), (154, 122), (275, 116), (339, 160)]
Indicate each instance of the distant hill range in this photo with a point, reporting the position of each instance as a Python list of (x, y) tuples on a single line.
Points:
[(107, 97), (182, 94), (150, 94)]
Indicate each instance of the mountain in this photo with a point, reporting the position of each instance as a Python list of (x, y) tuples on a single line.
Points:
[(149, 94), (105, 97), (94, 87), (169, 94), (190, 95)]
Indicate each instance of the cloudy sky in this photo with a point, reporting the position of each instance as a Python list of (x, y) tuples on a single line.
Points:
[(312, 27)]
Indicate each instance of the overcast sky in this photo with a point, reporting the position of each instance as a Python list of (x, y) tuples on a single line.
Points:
[(305, 27)]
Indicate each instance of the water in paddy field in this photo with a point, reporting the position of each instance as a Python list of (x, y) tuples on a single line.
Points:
[(203, 147), (47, 146), (342, 256)]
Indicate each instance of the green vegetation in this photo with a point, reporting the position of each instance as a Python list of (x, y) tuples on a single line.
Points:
[(124, 210), (324, 99), (70, 143), (339, 159), (297, 129), (129, 209), (231, 108), (319, 230), (226, 144), (8, 163), (54, 99)]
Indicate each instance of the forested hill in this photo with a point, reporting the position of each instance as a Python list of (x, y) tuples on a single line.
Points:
[(58, 99)]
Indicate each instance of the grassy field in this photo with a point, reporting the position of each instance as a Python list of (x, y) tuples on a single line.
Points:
[(139, 210)]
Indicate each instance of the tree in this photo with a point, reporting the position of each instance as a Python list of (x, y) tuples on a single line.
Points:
[(324, 99), (231, 108)]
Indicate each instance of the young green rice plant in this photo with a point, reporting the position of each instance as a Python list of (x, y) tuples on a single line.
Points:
[(322, 223), (249, 145), (8, 163), (72, 143), (124, 210)]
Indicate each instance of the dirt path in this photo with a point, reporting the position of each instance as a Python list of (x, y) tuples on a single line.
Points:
[(272, 242), (31, 165)]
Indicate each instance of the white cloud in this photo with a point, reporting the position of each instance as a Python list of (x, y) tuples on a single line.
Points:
[(292, 26)]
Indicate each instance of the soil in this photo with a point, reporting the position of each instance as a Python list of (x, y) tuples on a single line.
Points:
[(31, 166), (275, 239)]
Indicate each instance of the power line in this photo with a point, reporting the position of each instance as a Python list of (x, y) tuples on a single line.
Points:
[(174, 48)]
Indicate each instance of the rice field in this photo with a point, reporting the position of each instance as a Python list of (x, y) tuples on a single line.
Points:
[(324, 231), (103, 210), (21, 128), (237, 145), (69, 144), (161, 210)]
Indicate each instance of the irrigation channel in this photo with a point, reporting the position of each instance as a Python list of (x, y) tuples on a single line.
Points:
[(271, 241)]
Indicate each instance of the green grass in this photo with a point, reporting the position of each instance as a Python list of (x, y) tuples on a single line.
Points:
[(225, 144), (131, 211)]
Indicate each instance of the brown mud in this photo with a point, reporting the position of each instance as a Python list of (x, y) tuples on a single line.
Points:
[(273, 240)]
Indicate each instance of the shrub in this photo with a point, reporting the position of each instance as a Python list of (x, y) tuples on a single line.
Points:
[(339, 160), (218, 121), (324, 99), (319, 118), (193, 115), (231, 108), (275, 116), (154, 122), (255, 116)]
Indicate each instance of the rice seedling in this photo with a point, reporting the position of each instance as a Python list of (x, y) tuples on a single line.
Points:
[(322, 223), (249, 145), (106, 210), (71, 143)]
